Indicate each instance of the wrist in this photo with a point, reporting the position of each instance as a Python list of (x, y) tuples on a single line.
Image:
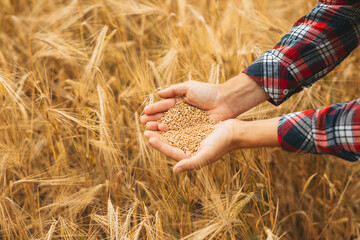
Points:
[(241, 93), (251, 134)]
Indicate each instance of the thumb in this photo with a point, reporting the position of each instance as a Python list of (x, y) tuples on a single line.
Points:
[(176, 90), (199, 160)]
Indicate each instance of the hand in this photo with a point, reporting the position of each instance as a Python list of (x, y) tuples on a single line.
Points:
[(202, 95), (222, 101), (212, 148), (228, 135)]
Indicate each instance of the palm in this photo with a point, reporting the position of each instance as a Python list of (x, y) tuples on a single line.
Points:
[(206, 97), (214, 146), (202, 95), (211, 149)]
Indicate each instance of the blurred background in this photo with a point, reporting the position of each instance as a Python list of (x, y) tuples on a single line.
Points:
[(74, 79)]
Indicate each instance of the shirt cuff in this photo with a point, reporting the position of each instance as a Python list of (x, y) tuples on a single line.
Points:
[(271, 74), (332, 130), (295, 133)]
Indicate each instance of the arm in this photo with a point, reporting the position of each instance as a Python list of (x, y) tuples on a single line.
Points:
[(334, 130), (227, 136), (315, 45), (221, 101)]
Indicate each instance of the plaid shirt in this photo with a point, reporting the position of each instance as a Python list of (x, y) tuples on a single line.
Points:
[(334, 130), (315, 45)]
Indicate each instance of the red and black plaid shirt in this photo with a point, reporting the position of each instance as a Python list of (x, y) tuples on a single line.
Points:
[(315, 45)]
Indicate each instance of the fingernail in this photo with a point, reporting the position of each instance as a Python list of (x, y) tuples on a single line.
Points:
[(151, 141), (178, 170), (163, 127), (146, 134)]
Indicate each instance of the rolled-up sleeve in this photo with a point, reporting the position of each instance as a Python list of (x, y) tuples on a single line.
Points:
[(333, 130), (315, 45)]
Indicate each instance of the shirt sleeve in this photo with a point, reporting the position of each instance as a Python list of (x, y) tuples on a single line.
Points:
[(315, 45), (333, 130)]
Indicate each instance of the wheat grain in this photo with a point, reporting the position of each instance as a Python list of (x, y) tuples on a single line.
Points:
[(188, 126)]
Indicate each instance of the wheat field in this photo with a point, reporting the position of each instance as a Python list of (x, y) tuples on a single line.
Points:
[(74, 79)]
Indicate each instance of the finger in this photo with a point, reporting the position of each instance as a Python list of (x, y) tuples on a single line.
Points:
[(152, 126), (147, 118), (172, 152), (156, 126), (160, 106), (163, 127), (151, 134), (197, 161), (179, 89)]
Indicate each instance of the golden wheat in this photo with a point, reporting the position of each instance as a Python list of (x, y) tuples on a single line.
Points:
[(74, 79)]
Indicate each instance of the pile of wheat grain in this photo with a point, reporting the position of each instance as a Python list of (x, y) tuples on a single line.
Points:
[(188, 126)]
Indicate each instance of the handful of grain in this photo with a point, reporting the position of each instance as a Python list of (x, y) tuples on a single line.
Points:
[(188, 126)]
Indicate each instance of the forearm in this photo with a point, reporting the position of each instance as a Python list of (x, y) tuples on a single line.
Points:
[(332, 130), (261, 133), (242, 93), (314, 46)]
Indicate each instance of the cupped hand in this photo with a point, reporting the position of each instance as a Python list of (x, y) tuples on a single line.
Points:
[(206, 96), (212, 148), (222, 101)]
